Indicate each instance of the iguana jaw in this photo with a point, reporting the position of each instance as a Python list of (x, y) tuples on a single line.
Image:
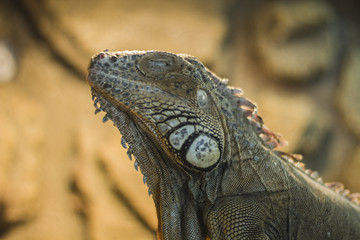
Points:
[(164, 181), (146, 154)]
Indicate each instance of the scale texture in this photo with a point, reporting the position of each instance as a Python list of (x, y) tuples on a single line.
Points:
[(209, 161)]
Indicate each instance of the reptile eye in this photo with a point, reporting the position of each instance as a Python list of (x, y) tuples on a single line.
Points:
[(157, 63), (202, 98)]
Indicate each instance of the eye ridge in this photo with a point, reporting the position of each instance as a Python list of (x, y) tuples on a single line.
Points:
[(202, 98)]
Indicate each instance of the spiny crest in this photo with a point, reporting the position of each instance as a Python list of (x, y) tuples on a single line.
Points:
[(101, 105), (272, 140), (250, 111)]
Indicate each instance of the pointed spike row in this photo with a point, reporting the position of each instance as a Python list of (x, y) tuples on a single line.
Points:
[(136, 165), (256, 123), (256, 118), (284, 143), (253, 116), (275, 142), (287, 158), (296, 156), (284, 155), (300, 165), (237, 92), (250, 111), (255, 112), (354, 197), (245, 103), (264, 137), (225, 80), (97, 110), (272, 143), (123, 142), (270, 138), (105, 118), (129, 152), (336, 186), (96, 103), (149, 192), (340, 189), (314, 175), (266, 131), (93, 94), (144, 179), (277, 136), (291, 161), (346, 192), (247, 112), (292, 158)]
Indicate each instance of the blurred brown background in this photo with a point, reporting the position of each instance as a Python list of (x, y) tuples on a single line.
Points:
[(64, 174)]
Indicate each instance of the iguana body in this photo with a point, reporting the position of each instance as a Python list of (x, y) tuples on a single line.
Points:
[(208, 160)]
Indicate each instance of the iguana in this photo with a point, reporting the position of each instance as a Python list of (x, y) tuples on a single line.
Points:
[(208, 160)]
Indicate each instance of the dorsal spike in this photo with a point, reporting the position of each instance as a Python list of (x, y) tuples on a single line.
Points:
[(123, 142), (354, 197)]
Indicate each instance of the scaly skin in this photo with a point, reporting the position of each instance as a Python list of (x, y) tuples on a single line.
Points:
[(209, 162)]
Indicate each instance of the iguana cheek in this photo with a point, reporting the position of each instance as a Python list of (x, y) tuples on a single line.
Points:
[(180, 135), (195, 148), (203, 152)]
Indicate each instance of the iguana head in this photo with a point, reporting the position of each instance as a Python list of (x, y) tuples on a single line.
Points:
[(166, 109), (169, 98)]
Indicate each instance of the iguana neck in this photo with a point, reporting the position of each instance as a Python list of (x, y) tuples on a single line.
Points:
[(252, 165)]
